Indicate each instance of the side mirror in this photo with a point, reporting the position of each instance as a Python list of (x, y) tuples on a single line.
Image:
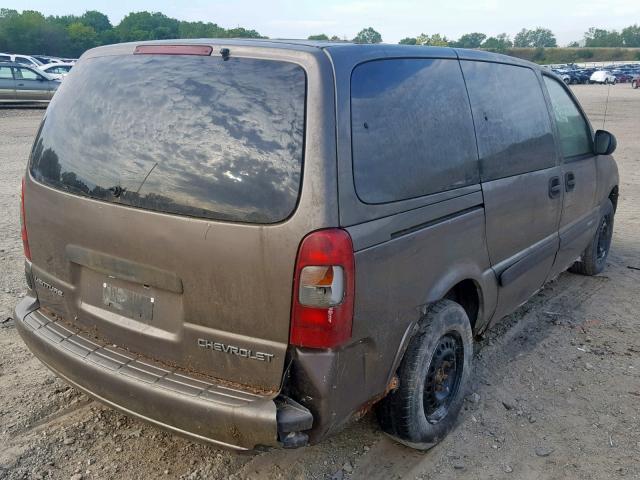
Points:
[(604, 143)]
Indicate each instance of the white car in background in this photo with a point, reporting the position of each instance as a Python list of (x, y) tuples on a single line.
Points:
[(22, 59), (602, 76), (57, 70)]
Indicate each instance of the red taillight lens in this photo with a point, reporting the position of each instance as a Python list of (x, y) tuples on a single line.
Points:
[(23, 223), (323, 290)]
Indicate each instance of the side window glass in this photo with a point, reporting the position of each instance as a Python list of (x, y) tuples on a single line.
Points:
[(412, 131), (511, 119), (573, 130), (27, 74), (5, 73)]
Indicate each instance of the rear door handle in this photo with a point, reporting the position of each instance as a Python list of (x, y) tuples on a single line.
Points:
[(555, 189), (569, 181)]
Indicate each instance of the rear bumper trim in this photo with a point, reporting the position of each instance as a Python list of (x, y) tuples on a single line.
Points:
[(203, 410)]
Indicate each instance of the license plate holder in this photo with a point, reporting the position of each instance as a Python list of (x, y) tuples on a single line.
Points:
[(127, 302)]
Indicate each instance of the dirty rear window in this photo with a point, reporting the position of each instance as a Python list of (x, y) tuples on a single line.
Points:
[(188, 135)]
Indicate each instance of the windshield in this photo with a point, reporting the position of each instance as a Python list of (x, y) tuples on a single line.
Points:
[(190, 135)]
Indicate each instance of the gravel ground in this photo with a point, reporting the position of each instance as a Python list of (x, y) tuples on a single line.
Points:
[(556, 391)]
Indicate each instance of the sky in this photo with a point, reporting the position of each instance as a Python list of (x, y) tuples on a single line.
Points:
[(568, 19)]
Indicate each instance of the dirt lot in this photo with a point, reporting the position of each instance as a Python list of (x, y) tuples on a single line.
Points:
[(557, 383)]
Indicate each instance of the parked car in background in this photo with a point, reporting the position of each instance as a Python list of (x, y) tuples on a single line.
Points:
[(621, 76), (603, 77), (580, 76), (21, 59), (575, 77), (57, 70), (21, 83), (566, 78), (211, 288), (46, 60)]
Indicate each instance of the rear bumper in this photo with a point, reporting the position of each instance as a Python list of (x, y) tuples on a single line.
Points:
[(202, 410)]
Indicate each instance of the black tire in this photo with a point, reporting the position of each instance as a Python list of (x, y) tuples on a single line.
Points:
[(634, 84), (433, 379), (594, 258)]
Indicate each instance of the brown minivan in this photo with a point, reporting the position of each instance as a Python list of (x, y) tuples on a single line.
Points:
[(252, 241)]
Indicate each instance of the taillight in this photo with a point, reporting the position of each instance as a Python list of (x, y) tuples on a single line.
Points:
[(323, 290), (23, 224)]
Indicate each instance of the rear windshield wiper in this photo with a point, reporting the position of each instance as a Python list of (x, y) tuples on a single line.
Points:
[(117, 191), (146, 176)]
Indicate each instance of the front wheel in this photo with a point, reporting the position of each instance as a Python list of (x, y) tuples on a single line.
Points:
[(594, 258), (634, 84), (433, 378)]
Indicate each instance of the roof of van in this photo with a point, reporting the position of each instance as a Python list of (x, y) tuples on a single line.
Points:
[(353, 50)]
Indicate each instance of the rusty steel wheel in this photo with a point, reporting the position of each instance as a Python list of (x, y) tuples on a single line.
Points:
[(443, 377)]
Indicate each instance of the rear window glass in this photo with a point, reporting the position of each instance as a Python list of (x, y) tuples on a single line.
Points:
[(189, 135), (511, 118), (412, 130)]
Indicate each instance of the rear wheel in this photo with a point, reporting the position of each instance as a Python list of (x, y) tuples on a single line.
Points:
[(433, 378), (595, 256)]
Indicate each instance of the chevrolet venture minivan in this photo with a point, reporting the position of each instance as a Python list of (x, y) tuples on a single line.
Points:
[(251, 242)]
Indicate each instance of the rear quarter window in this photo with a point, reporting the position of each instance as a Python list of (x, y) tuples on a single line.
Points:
[(511, 119), (412, 131), (188, 135)]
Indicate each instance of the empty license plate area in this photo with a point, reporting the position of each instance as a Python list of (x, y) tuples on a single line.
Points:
[(127, 302)]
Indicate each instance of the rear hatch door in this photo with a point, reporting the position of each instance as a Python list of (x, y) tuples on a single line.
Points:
[(160, 204)]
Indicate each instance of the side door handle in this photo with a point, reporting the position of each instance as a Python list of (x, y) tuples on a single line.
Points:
[(569, 181), (555, 189)]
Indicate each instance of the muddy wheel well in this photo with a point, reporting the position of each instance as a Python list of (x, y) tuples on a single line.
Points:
[(467, 294), (613, 196)]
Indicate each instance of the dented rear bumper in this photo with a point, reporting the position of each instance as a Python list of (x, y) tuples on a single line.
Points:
[(204, 410)]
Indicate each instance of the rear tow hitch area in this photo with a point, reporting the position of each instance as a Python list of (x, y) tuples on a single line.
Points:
[(292, 419)]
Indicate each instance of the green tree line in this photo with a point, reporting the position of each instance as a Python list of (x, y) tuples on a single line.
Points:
[(30, 32), (539, 37)]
